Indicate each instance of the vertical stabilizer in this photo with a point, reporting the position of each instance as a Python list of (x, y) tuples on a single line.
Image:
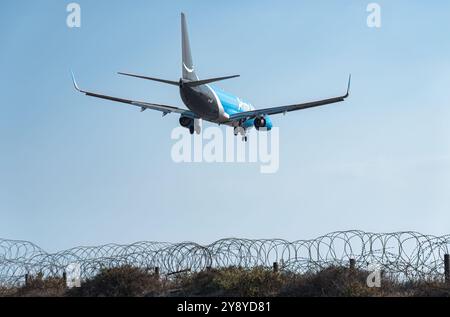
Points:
[(188, 65)]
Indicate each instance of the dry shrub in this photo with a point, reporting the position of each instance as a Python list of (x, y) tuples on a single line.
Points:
[(335, 282), (128, 281), (37, 286), (429, 289), (125, 281), (236, 282)]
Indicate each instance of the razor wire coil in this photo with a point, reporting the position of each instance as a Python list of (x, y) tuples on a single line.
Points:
[(404, 255)]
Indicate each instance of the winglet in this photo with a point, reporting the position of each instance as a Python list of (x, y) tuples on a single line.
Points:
[(349, 85), (75, 82)]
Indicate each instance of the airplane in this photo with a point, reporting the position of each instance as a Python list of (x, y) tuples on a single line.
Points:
[(209, 103)]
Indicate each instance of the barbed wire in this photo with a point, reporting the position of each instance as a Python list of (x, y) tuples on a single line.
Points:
[(404, 255)]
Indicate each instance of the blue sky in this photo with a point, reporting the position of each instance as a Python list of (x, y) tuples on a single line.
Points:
[(81, 171)]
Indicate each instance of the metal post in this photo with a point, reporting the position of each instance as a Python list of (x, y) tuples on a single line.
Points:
[(447, 267), (157, 272), (352, 264), (65, 278), (275, 267), (27, 279)]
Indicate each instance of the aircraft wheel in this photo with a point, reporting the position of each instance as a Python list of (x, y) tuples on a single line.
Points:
[(239, 130)]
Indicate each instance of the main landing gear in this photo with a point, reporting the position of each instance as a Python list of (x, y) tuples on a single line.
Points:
[(241, 131)]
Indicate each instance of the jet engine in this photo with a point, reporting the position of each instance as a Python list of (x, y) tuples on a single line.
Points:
[(260, 122), (186, 122), (194, 126)]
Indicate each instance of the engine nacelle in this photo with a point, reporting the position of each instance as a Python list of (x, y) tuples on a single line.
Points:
[(260, 122), (194, 126), (186, 122)]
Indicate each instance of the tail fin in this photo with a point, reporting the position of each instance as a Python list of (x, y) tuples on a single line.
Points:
[(188, 65)]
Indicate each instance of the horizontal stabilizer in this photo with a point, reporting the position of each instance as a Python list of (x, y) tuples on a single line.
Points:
[(208, 81), (170, 82), (189, 83)]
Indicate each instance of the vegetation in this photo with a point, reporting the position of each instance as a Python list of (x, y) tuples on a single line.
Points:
[(129, 281)]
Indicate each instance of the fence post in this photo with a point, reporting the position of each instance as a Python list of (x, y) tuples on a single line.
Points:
[(27, 279), (275, 267), (157, 272), (65, 278), (447, 268), (352, 264)]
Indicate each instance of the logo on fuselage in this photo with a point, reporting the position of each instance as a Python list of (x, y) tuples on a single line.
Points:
[(243, 106)]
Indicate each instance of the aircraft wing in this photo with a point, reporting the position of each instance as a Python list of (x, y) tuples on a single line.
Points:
[(165, 109), (284, 109)]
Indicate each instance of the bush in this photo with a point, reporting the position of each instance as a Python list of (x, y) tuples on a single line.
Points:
[(123, 281), (37, 286), (430, 289), (334, 282), (257, 282), (129, 281)]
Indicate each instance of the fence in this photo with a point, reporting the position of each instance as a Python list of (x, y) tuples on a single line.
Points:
[(403, 255)]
